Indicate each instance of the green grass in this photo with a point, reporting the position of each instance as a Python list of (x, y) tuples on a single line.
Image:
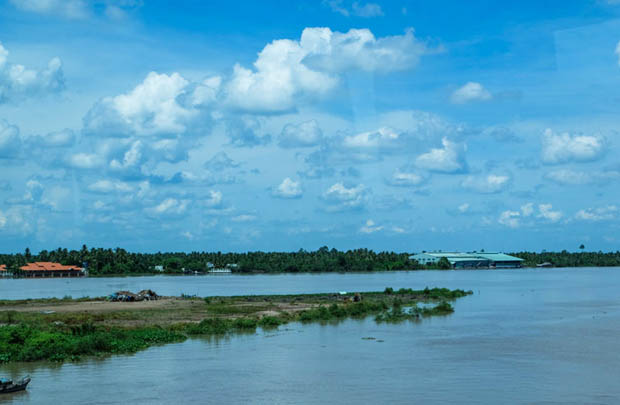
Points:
[(32, 336)]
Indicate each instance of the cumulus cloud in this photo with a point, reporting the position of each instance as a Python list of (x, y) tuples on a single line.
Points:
[(406, 178), (17, 221), (515, 219), (510, 218), (152, 108), (597, 214), (340, 197), (219, 162), (169, 207), (492, 183), (18, 82), (546, 212), (471, 91), (108, 186), (303, 135), (527, 209), (367, 10), (78, 9), (370, 227), (562, 148), (56, 139), (244, 218), (576, 177), (288, 70), (288, 189), (215, 199), (448, 159), (73, 9), (357, 9), (10, 141), (82, 160), (246, 131), (382, 138)]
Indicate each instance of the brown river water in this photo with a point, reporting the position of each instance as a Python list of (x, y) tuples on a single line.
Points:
[(531, 336)]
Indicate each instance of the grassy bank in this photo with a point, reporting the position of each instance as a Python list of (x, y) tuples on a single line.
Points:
[(76, 328)]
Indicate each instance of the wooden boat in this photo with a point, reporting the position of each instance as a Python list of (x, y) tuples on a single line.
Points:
[(7, 386)]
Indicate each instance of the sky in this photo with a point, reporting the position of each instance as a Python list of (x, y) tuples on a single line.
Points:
[(239, 126)]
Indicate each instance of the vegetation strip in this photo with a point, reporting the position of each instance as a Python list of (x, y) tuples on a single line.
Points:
[(28, 334)]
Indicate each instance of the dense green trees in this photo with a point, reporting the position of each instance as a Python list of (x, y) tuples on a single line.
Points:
[(119, 261), (570, 259)]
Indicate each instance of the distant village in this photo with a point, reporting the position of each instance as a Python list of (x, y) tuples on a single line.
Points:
[(57, 270), (447, 260)]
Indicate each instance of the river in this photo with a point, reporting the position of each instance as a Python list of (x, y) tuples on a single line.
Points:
[(547, 336)]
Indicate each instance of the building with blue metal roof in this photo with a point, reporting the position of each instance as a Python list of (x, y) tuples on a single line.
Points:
[(472, 260)]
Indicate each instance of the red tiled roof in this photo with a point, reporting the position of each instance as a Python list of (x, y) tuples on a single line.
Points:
[(47, 266), (2, 267)]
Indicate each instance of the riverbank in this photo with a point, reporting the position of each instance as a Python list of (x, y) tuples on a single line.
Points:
[(61, 330)]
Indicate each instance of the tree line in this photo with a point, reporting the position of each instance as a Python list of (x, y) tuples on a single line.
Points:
[(101, 261)]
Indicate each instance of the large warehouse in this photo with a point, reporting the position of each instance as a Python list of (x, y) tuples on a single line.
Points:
[(472, 260)]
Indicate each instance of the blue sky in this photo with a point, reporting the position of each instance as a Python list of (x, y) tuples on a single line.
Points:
[(397, 125)]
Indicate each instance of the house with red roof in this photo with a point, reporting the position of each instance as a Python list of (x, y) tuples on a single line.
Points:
[(4, 272), (50, 269)]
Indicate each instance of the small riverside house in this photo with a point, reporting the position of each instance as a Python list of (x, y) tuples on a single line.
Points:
[(49, 269), (4, 272)]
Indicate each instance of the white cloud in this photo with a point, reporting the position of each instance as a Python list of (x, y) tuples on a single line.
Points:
[(367, 10), (510, 218), (244, 218), (215, 199), (78, 9), (169, 206), (305, 134), (289, 70), (16, 221), (546, 212), (493, 183), (562, 148), (288, 189), (219, 162), (85, 160), (463, 208), (406, 178), (57, 139), (18, 82), (597, 214), (382, 138), (527, 209), (246, 131), (108, 186), (341, 198), (74, 9), (471, 91), (370, 227), (151, 108), (617, 52), (10, 141), (573, 177), (449, 159)]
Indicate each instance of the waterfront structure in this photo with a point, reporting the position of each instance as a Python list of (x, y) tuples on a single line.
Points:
[(50, 269), (4, 272), (472, 260), (502, 260)]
